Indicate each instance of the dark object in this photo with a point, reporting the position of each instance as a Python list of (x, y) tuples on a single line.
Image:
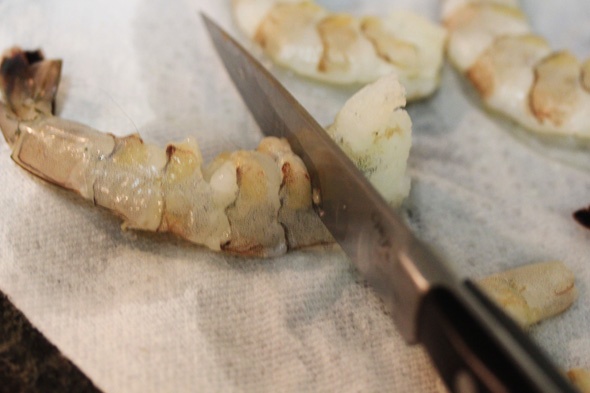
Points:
[(582, 216), (29, 363), (25, 75), (29, 86), (473, 344)]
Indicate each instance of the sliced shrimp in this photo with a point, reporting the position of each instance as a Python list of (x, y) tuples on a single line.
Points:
[(514, 71), (343, 49), (533, 292), (244, 202)]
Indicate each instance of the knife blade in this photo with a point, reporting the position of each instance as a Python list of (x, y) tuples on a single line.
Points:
[(472, 343)]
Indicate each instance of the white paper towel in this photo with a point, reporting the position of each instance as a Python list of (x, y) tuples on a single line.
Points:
[(149, 313)]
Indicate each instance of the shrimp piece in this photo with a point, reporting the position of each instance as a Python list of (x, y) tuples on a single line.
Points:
[(515, 71), (534, 292), (342, 49), (374, 131), (580, 378), (254, 203)]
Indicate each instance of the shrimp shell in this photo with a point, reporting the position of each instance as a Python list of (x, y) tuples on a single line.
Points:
[(514, 71), (254, 203), (342, 49)]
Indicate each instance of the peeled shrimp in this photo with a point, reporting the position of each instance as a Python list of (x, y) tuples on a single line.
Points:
[(342, 49), (534, 292), (514, 71), (244, 202)]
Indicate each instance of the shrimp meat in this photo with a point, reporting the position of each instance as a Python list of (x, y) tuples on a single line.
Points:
[(533, 292)]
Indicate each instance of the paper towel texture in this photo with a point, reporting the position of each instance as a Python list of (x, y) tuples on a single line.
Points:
[(143, 312)]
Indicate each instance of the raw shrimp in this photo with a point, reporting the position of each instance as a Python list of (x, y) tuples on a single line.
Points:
[(514, 71), (343, 49), (245, 202)]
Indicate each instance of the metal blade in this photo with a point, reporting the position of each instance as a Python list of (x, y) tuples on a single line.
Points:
[(368, 230)]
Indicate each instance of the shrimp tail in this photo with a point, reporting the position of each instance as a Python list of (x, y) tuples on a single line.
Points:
[(29, 85)]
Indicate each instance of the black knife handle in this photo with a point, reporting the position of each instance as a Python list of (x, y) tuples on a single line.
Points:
[(470, 357)]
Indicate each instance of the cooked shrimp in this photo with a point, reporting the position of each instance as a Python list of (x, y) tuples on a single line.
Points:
[(342, 49), (514, 71), (245, 202), (533, 292)]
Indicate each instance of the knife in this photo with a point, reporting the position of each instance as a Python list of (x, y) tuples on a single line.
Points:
[(474, 346)]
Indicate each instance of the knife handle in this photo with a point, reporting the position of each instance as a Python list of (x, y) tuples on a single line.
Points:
[(471, 357)]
